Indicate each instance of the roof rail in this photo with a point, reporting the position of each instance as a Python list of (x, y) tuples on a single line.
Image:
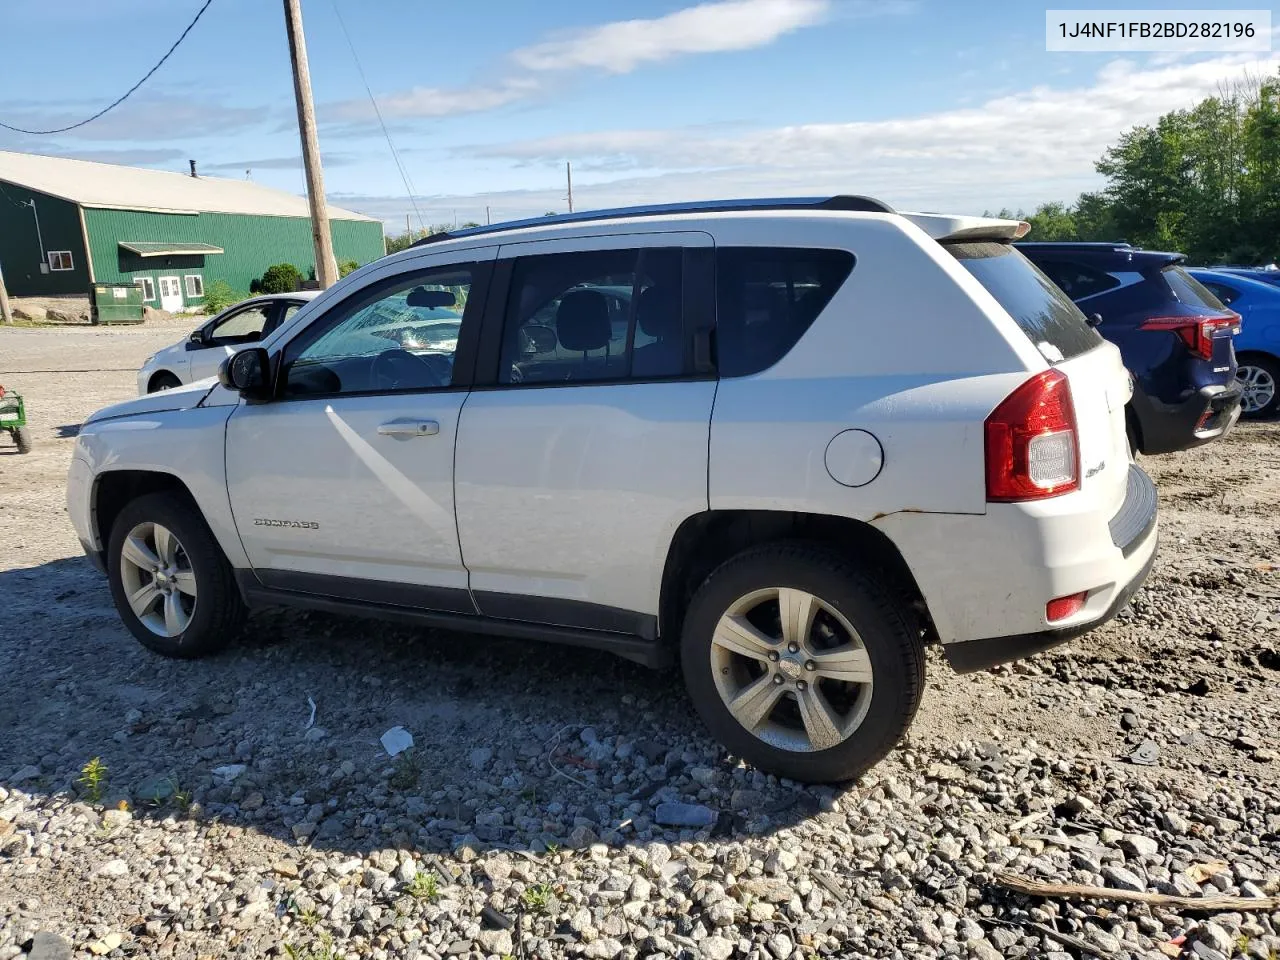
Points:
[(841, 202)]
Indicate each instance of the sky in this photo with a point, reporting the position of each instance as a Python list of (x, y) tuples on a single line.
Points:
[(945, 105)]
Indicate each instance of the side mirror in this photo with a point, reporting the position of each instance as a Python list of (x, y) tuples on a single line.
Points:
[(248, 372), (197, 336), (1094, 319), (539, 339)]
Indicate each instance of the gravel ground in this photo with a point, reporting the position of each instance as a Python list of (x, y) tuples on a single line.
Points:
[(538, 812)]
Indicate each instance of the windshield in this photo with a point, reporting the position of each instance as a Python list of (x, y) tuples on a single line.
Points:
[(1043, 312)]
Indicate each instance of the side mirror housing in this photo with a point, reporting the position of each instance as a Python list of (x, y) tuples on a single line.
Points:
[(248, 372), (539, 339), (1094, 320)]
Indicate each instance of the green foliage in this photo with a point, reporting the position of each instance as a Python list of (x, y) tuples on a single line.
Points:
[(93, 778), (424, 886), (281, 278), (1203, 181), (538, 898), (218, 296), (347, 266), (407, 771), (321, 949)]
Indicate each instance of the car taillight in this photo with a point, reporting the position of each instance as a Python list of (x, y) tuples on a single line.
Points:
[(1031, 445), (1196, 332)]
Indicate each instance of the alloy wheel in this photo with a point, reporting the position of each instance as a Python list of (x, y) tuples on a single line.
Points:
[(158, 580), (1259, 387), (791, 669)]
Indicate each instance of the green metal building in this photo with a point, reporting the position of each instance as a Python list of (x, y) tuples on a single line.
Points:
[(68, 224)]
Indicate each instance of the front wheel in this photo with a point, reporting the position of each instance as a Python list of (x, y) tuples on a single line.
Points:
[(164, 380), (1259, 377), (802, 663), (170, 582)]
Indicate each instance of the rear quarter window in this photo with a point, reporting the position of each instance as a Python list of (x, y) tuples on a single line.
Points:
[(1039, 307), (1191, 291)]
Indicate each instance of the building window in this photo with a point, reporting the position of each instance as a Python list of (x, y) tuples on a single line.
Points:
[(60, 260), (148, 287), (195, 285)]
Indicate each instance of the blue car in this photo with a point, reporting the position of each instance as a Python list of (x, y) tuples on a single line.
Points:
[(1174, 336), (1270, 275), (1258, 343)]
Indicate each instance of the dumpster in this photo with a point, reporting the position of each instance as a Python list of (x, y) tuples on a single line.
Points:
[(115, 303)]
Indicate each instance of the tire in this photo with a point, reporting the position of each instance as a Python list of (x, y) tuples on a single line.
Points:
[(886, 628), (164, 380), (22, 437), (207, 619), (1259, 374)]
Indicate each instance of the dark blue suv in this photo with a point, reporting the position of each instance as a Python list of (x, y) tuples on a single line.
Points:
[(1174, 335)]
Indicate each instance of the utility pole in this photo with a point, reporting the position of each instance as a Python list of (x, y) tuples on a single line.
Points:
[(326, 266), (408, 230), (486, 215), (568, 175), (5, 313)]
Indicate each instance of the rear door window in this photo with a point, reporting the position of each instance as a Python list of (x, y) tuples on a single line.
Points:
[(1076, 280), (766, 298), (1191, 291), (1038, 306)]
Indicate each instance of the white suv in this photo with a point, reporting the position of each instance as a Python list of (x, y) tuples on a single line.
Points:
[(787, 442)]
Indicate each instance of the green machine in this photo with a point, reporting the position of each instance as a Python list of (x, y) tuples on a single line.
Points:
[(13, 420), (116, 303)]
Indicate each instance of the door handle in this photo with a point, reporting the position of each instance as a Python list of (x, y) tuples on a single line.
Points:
[(409, 427)]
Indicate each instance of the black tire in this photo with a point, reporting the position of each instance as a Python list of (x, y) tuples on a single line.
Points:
[(1272, 367), (219, 611), (886, 625), (164, 380), (22, 437)]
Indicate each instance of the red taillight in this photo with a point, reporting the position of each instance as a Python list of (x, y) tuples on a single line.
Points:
[(1064, 607), (1196, 332), (1031, 444)]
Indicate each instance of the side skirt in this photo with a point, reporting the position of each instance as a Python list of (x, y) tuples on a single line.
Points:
[(637, 648)]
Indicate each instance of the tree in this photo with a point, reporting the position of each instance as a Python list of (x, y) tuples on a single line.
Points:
[(346, 267), (281, 278), (1052, 221)]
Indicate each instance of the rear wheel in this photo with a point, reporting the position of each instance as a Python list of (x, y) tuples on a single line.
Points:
[(1259, 377), (170, 582), (163, 381), (801, 663), (22, 437)]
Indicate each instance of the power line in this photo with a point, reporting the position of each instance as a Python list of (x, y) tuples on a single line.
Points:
[(128, 93), (404, 176)]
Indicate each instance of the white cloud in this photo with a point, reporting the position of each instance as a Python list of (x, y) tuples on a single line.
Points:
[(618, 47), (1033, 137), (707, 28)]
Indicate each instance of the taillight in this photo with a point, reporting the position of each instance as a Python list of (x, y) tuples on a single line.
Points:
[(1196, 332), (1031, 444)]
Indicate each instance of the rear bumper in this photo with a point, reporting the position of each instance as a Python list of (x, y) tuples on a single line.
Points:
[(991, 575), (1205, 415), (983, 654)]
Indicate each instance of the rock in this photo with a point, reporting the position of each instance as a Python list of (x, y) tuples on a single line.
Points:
[(640, 889), (1106, 942), (156, 789), (228, 773), (457, 948), (605, 948), (24, 775), (406, 871), (315, 735), (480, 757), (1263, 756), (60, 316), (1200, 688), (1003, 938), (1174, 823), (980, 949), (1128, 720), (151, 313), (117, 818), (48, 946), (1213, 936), (1122, 879), (252, 801), (114, 868), (104, 946), (284, 868), (1077, 804), (780, 946), (303, 830), (496, 942), (684, 815), (1202, 951), (716, 948), (20, 314), (1139, 846)]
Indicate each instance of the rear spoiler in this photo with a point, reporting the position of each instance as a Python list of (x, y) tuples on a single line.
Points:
[(944, 228)]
